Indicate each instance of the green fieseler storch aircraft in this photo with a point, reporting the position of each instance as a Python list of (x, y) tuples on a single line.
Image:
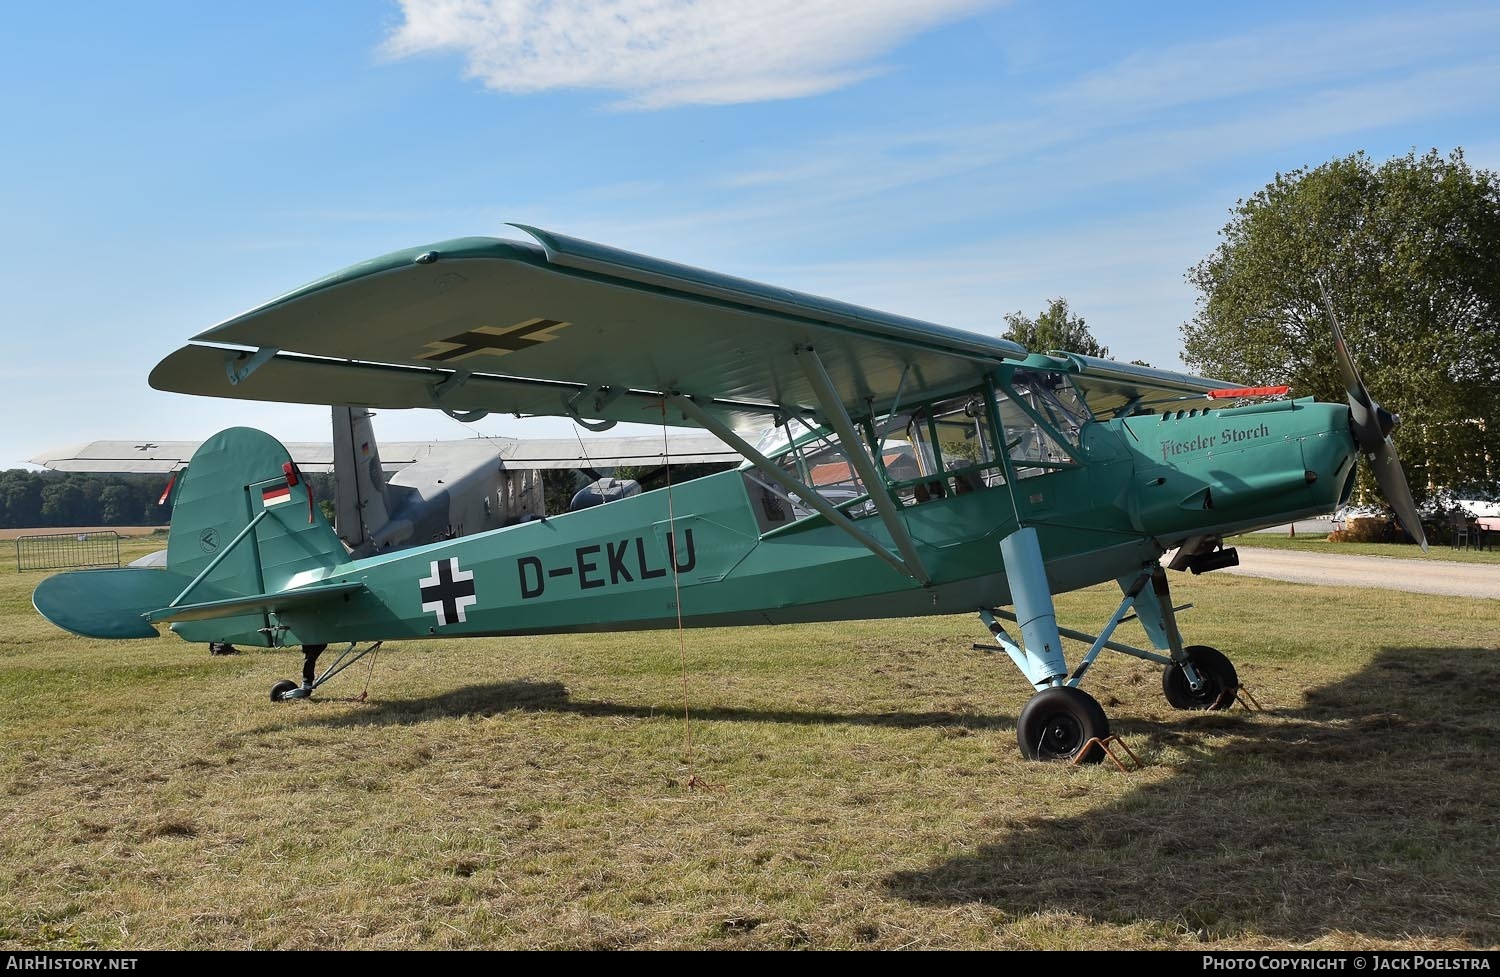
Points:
[(899, 468)]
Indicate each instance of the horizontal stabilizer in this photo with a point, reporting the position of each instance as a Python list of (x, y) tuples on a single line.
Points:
[(107, 603), (124, 603), (231, 606)]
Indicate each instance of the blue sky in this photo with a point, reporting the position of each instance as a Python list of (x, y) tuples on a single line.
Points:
[(166, 165)]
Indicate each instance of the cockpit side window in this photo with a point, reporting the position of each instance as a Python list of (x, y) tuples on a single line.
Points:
[(952, 447), (812, 456)]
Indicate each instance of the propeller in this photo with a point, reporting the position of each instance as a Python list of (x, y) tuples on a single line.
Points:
[(1372, 426)]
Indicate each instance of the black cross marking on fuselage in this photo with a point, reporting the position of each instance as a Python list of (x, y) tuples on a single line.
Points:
[(442, 594), (506, 342), (146, 447)]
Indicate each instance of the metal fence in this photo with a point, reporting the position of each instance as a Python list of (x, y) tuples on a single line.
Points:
[(67, 551)]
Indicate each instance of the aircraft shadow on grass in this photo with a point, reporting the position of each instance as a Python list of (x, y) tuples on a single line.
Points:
[(1372, 812), (523, 695)]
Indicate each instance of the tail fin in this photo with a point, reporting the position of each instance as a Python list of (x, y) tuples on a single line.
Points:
[(361, 508), (235, 476), (244, 522)]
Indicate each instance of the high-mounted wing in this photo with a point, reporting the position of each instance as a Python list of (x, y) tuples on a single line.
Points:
[(568, 328)]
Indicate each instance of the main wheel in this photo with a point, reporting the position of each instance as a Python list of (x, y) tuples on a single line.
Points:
[(1057, 722), (1221, 684), (280, 689)]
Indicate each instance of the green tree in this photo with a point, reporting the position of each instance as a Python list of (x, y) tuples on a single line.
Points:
[(23, 498), (117, 504), (63, 503), (1055, 328), (1410, 252)]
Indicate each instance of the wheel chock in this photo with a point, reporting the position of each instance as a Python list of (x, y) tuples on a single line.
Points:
[(1248, 701), (1107, 744)]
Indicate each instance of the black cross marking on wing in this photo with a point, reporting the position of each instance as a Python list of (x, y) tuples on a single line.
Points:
[(494, 341)]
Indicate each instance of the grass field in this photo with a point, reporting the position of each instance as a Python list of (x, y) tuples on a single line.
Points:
[(862, 789)]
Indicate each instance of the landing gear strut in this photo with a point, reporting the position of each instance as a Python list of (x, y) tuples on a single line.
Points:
[(285, 691), (1061, 721)]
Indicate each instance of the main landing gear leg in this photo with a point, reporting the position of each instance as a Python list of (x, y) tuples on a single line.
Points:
[(1197, 676), (1061, 721)]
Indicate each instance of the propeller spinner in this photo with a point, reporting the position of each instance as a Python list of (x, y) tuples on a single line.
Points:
[(1372, 426)]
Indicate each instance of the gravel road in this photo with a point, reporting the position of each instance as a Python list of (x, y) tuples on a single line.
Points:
[(1432, 575)]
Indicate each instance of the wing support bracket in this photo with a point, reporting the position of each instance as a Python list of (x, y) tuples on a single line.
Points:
[(239, 365), (602, 397), (440, 390), (859, 457), (808, 496)]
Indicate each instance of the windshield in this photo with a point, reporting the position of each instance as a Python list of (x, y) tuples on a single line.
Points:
[(1051, 398)]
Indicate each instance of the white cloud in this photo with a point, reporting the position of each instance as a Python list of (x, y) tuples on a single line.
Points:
[(661, 53), (1283, 56)]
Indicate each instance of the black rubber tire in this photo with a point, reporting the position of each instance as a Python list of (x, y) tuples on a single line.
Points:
[(1057, 722), (1221, 684), (280, 689)]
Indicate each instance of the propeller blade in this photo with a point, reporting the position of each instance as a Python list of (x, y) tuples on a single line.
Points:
[(1363, 411), (1372, 426), (1386, 464)]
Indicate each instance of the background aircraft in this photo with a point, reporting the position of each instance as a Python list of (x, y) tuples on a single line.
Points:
[(1035, 473), (403, 493)]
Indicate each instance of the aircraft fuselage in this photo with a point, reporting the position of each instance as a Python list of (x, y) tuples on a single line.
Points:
[(1142, 485)]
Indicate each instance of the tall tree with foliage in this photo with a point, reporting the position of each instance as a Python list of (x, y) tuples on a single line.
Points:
[(1410, 253), (1056, 328)]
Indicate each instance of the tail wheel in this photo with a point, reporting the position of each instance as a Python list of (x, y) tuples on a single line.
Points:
[(1221, 684), (280, 689), (1058, 722)]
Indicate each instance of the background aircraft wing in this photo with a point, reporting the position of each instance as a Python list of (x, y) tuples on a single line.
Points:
[(567, 327), (607, 452), (144, 457), (148, 457)]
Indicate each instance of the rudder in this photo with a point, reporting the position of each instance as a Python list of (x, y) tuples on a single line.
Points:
[(237, 477)]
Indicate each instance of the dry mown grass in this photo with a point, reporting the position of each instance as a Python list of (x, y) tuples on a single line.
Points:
[(866, 790)]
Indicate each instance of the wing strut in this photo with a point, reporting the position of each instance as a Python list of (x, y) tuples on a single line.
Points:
[(808, 496), (239, 366), (838, 418)]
